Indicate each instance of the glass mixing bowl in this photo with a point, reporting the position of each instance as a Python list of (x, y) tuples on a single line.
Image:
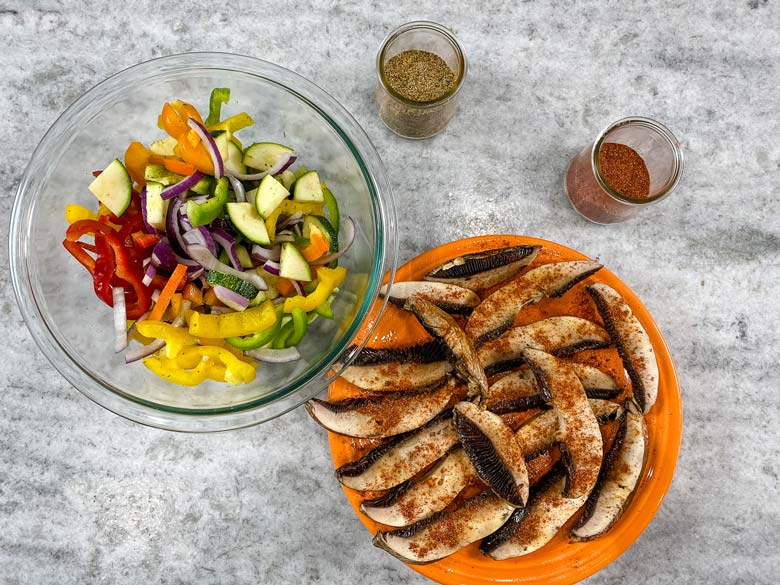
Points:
[(74, 329)]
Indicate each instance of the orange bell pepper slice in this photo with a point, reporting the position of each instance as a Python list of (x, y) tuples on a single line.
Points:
[(196, 155), (178, 166), (193, 294), (136, 159), (174, 116), (317, 248)]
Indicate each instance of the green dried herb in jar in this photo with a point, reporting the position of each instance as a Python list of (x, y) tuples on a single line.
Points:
[(421, 67), (419, 76)]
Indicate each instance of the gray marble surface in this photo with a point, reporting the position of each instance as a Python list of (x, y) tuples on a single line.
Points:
[(87, 497)]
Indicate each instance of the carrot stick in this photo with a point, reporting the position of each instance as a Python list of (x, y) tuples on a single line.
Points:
[(167, 292)]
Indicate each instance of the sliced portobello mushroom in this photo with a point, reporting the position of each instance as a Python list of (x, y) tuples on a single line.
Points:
[(442, 326), (513, 392), (485, 269), (424, 353), (416, 500), (632, 341), (560, 336), (530, 528), (597, 383), (398, 376), (581, 445), (447, 532), (393, 413), (493, 451), (405, 456), (618, 478), (605, 410), (419, 499), (448, 297), (540, 432), (517, 391), (495, 314)]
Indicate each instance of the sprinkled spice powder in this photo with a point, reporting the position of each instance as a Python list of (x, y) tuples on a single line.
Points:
[(419, 76)]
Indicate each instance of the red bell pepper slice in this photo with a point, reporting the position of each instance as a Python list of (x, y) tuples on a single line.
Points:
[(144, 240), (125, 266)]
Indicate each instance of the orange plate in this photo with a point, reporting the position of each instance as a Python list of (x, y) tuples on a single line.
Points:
[(559, 561)]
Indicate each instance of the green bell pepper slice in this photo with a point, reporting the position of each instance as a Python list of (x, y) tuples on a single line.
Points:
[(280, 341), (333, 209), (300, 322), (206, 212), (219, 96), (258, 339)]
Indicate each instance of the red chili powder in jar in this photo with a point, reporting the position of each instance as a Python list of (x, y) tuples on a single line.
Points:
[(624, 170), (621, 168)]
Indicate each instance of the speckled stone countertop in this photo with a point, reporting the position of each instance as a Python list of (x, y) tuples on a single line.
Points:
[(87, 497)]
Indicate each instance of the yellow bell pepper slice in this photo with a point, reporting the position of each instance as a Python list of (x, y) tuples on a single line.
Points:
[(329, 279), (233, 324), (192, 377), (233, 124), (288, 207), (74, 213), (236, 371), (175, 337), (225, 345)]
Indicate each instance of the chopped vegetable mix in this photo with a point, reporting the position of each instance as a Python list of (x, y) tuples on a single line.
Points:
[(210, 253)]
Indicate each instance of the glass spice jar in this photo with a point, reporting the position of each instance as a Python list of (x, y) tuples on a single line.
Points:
[(412, 118), (588, 185)]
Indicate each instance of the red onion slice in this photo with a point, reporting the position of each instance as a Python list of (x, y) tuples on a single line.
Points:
[(151, 271), (184, 219), (211, 147), (163, 256), (200, 235), (120, 319), (275, 356), (298, 288), (349, 236), (196, 274), (173, 229), (227, 242), (148, 228), (138, 353), (251, 195), (238, 189), (230, 298), (204, 257), (264, 254), (182, 186), (292, 220), (271, 267), (281, 165)]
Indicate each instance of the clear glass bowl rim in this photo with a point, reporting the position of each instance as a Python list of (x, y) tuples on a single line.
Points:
[(282, 400)]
